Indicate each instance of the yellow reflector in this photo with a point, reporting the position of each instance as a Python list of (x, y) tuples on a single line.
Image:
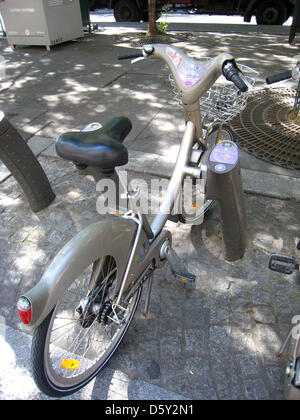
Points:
[(70, 364), (194, 206)]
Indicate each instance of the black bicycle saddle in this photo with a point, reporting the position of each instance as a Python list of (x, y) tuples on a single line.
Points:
[(102, 148)]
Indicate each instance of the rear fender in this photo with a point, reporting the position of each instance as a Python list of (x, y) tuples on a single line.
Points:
[(112, 235)]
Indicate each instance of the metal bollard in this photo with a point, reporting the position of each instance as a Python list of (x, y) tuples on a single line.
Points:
[(295, 26), (24, 166), (224, 184)]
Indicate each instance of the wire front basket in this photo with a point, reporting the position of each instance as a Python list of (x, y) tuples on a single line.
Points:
[(223, 101)]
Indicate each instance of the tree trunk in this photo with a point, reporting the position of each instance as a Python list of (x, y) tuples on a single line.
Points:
[(152, 28)]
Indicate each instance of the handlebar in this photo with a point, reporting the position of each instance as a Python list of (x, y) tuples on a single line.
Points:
[(279, 77), (147, 51), (128, 56), (286, 75), (192, 77)]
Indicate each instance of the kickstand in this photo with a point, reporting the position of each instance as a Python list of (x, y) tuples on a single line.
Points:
[(147, 302)]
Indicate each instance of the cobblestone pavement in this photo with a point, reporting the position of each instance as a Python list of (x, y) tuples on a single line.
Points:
[(216, 341)]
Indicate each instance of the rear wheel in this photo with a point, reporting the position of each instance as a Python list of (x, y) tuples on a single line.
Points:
[(82, 332), (271, 12), (127, 11)]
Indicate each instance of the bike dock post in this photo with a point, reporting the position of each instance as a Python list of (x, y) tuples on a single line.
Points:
[(295, 26), (24, 166), (224, 184)]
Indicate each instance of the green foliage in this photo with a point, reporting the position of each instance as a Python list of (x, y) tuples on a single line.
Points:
[(163, 26)]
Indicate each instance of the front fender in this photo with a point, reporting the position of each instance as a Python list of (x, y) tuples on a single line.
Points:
[(112, 235)]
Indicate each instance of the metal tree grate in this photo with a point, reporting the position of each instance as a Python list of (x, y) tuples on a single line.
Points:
[(269, 128)]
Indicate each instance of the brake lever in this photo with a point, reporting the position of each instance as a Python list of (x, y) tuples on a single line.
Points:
[(247, 83), (147, 51), (135, 60)]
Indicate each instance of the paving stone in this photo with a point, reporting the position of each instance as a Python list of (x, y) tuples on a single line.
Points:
[(195, 341), (178, 383), (38, 144), (268, 342), (220, 336), (243, 321), (276, 376), (170, 364), (219, 315), (260, 296), (263, 314), (203, 388), (4, 172), (249, 365), (255, 389), (19, 236), (149, 370), (243, 341)]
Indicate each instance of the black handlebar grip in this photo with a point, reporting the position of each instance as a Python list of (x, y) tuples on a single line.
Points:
[(128, 56), (232, 73), (239, 83), (279, 77)]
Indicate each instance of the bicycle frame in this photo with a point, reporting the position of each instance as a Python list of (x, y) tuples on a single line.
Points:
[(180, 170)]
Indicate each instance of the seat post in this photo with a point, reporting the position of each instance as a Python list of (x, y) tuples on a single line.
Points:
[(121, 199)]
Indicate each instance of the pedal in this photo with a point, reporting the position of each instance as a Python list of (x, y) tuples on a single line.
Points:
[(283, 264), (177, 267), (186, 278)]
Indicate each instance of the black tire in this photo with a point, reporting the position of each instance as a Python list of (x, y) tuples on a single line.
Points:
[(127, 11), (271, 12), (68, 336)]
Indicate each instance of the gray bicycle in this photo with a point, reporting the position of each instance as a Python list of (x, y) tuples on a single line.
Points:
[(84, 303)]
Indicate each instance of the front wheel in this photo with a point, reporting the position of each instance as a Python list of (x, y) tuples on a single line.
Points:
[(271, 12), (82, 332)]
